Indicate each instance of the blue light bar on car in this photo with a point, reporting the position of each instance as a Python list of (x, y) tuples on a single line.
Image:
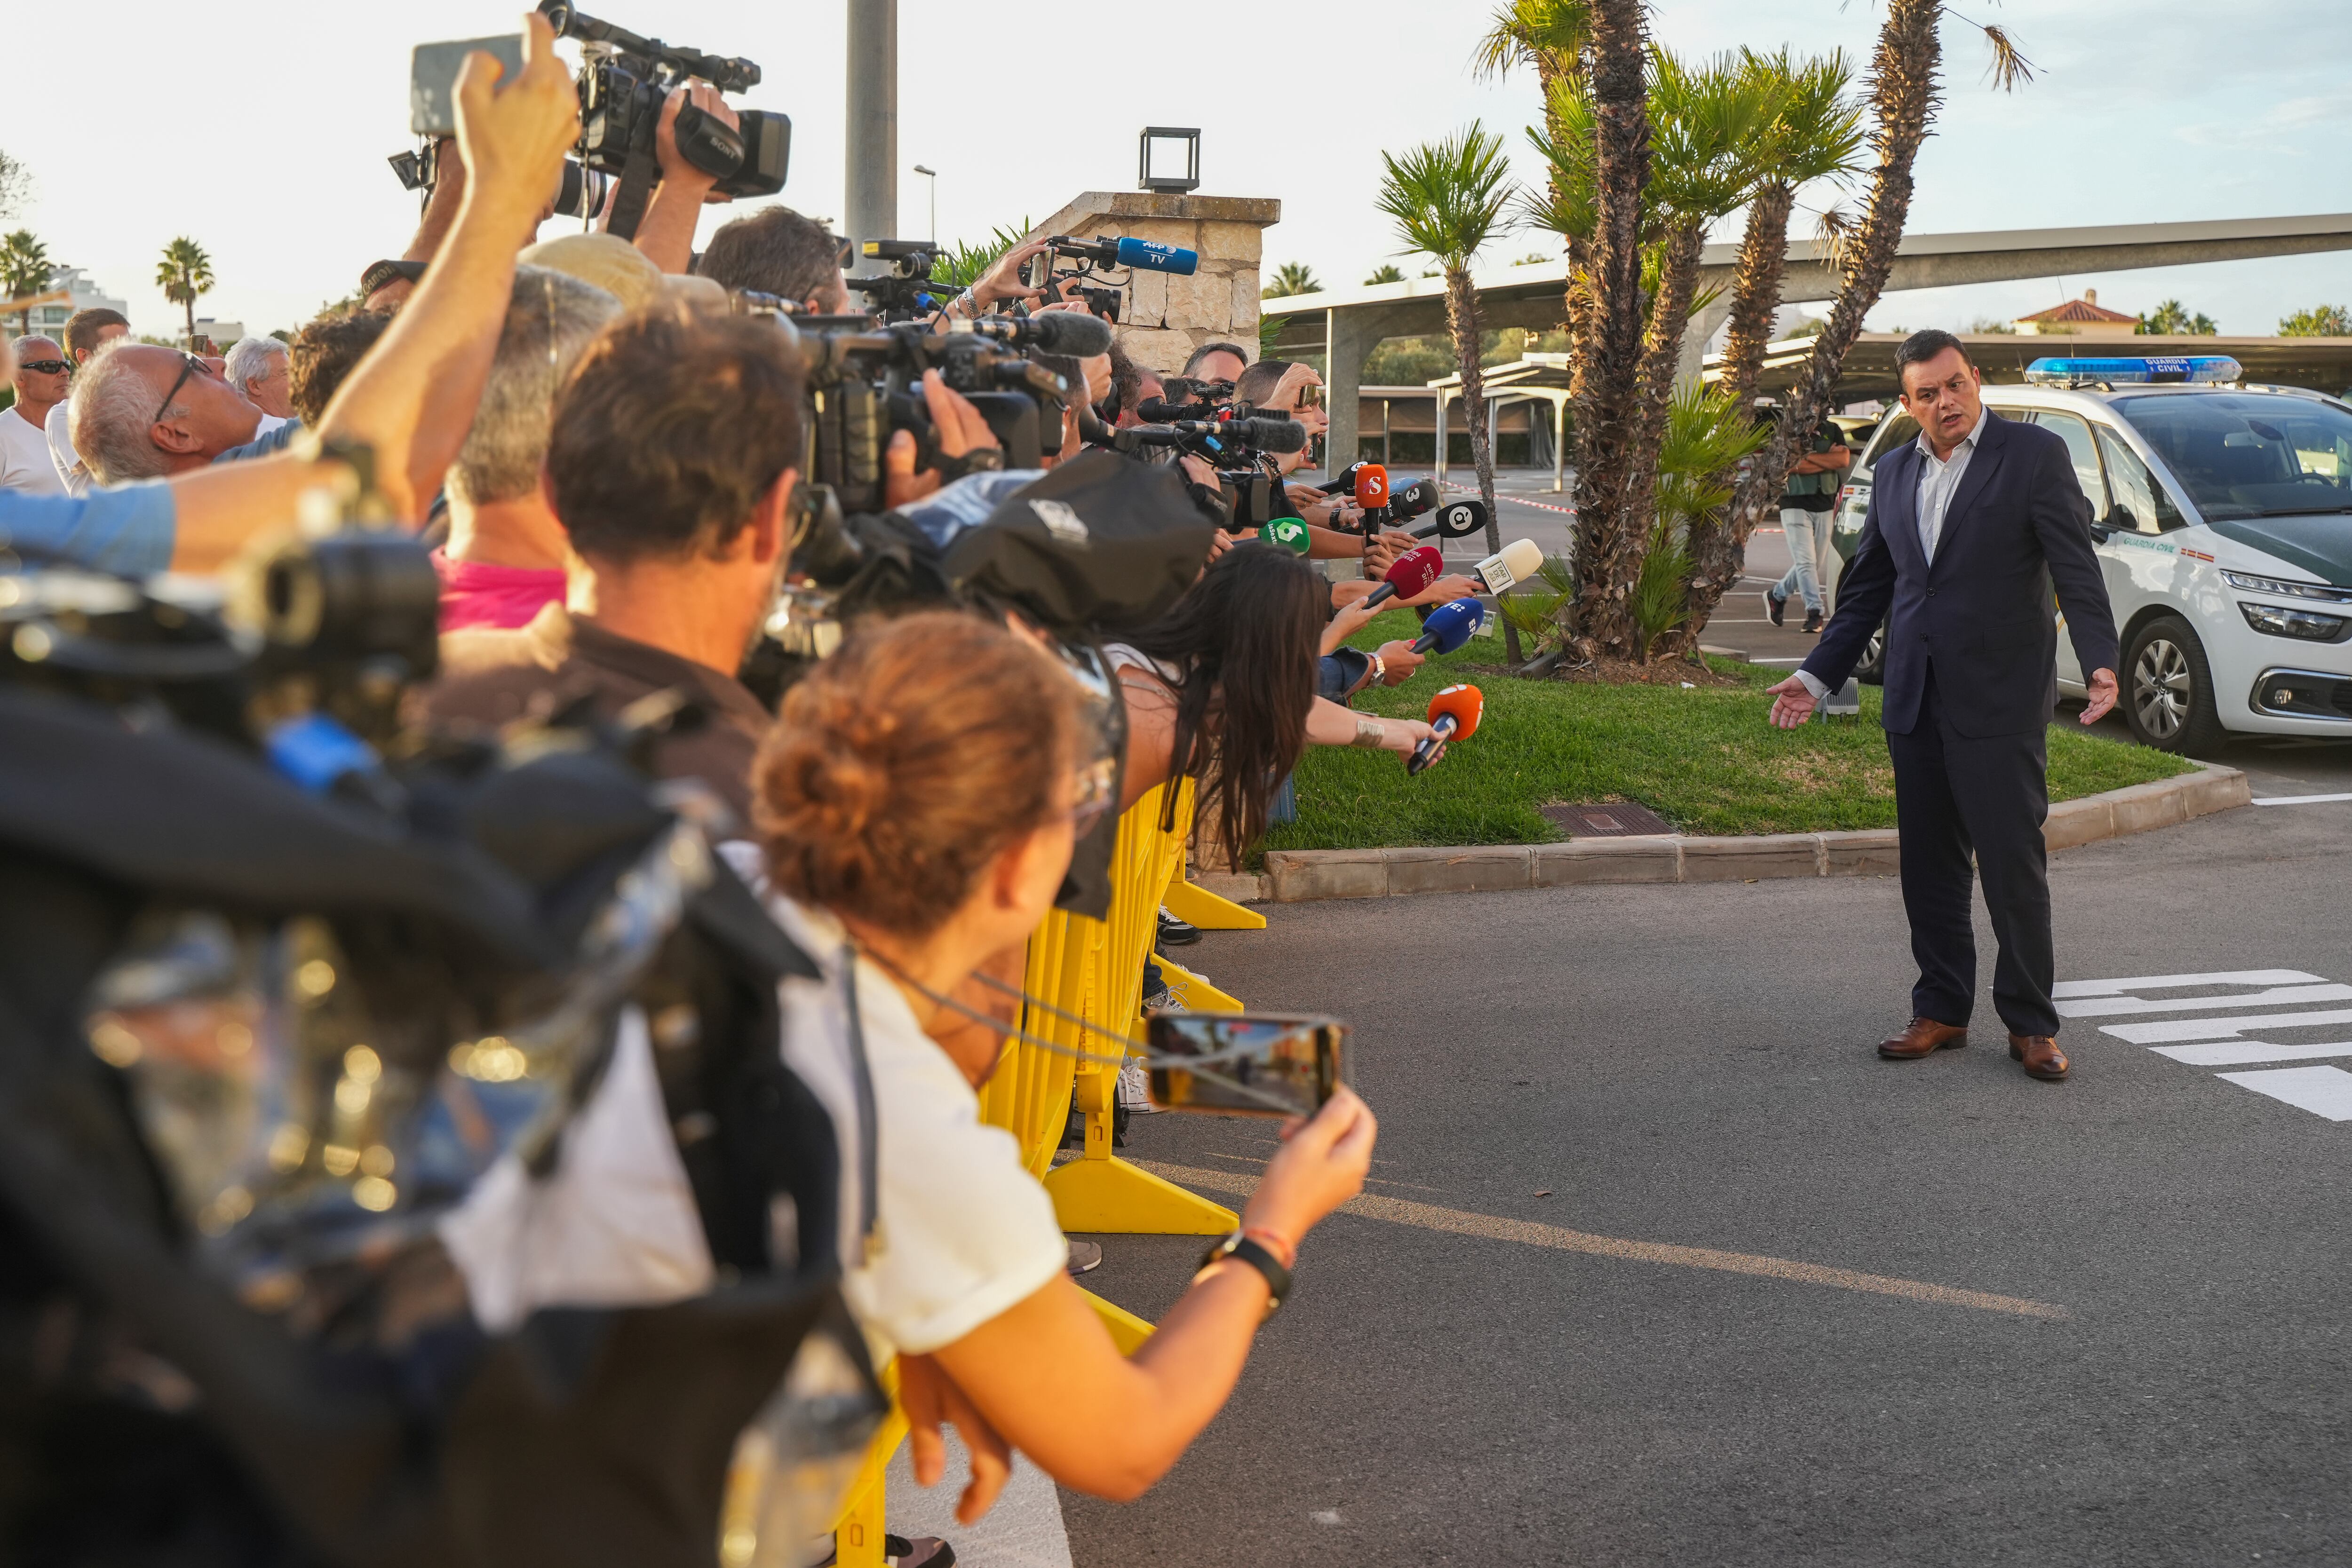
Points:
[(2140, 371)]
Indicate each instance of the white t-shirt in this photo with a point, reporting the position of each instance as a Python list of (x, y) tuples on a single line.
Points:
[(71, 470), (25, 457), (963, 1232)]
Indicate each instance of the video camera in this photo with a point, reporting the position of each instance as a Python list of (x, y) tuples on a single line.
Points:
[(906, 290), (623, 81), (1183, 397)]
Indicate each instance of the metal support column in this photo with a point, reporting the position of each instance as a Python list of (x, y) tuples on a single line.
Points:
[(1345, 352), (1440, 469), (1559, 445), (871, 187)]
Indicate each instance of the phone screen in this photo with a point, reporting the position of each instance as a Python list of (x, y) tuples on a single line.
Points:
[(1248, 1064), (433, 78)]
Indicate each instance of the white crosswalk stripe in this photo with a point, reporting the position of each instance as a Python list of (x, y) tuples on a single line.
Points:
[(2212, 1033)]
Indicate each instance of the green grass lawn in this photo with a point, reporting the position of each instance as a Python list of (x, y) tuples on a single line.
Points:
[(1703, 759)]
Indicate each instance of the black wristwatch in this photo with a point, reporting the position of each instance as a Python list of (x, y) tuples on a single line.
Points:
[(1240, 1247), (382, 272)]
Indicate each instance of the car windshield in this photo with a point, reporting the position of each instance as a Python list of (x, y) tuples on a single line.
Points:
[(2251, 454)]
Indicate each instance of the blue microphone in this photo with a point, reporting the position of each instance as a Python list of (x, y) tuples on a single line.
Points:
[(1450, 625), (1150, 255)]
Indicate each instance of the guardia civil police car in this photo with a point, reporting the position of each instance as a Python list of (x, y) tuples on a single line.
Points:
[(2222, 517)]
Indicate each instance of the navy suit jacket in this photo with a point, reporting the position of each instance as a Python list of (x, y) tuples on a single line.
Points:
[(1980, 612)]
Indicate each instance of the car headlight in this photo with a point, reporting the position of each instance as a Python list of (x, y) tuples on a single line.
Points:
[(2278, 621), (2287, 590)]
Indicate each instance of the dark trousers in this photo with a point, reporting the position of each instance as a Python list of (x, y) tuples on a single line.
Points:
[(1954, 793)]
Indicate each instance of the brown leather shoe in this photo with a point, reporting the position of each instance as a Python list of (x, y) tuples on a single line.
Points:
[(2040, 1055), (1924, 1037)]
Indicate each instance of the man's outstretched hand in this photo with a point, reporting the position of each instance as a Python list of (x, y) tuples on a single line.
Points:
[(1792, 703), (2102, 692)]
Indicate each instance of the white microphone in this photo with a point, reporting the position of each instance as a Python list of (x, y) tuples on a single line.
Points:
[(1515, 563)]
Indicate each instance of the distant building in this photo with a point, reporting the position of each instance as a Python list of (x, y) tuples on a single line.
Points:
[(49, 321), (2084, 317), (224, 334)]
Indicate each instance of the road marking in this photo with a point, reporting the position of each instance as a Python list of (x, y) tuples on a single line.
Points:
[(2115, 1007), (1493, 1228), (2299, 799), (2321, 1090), (2219, 1029), (2231, 1054), (2150, 982)]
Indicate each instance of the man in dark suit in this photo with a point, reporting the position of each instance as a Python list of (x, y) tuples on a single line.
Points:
[(1969, 528)]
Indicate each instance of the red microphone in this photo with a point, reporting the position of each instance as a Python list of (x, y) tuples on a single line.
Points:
[(1454, 715), (1414, 570)]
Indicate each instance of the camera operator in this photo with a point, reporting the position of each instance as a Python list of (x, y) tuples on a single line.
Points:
[(918, 802), (666, 234), (777, 251), (411, 400)]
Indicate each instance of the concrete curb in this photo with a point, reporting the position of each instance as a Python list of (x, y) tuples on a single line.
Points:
[(1295, 877)]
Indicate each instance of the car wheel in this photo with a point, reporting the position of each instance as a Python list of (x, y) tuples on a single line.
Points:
[(2168, 696), (1872, 671)]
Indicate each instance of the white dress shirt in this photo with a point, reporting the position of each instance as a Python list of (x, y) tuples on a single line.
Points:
[(1938, 478)]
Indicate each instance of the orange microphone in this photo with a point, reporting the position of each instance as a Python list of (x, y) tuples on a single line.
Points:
[(1372, 487), (1454, 715)]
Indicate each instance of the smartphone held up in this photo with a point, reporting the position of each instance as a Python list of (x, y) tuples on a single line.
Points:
[(1245, 1064)]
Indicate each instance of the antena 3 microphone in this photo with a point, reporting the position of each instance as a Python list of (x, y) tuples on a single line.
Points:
[(1515, 563), (1414, 570)]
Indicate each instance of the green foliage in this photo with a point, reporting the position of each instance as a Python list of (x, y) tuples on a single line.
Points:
[(16, 185), (1816, 131), (1269, 327), (2317, 322), (1567, 204), (1707, 435), (1703, 759), (1415, 362), (25, 268), (961, 265), (2171, 319), (1541, 614), (1387, 272), (1448, 197), (1659, 602), (1535, 33), (1709, 138), (1534, 258), (1291, 278), (1987, 324)]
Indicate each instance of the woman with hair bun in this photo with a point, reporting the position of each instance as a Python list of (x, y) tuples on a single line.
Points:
[(917, 804)]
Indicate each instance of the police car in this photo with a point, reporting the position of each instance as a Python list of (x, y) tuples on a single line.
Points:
[(2223, 519)]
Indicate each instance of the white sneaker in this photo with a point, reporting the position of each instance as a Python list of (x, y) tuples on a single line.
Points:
[(1135, 1089)]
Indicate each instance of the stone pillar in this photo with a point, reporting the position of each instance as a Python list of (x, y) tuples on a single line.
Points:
[(1702, 326), (1165, 318), (1350, 337)]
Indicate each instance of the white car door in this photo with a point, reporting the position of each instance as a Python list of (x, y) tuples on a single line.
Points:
[(2076, 431)]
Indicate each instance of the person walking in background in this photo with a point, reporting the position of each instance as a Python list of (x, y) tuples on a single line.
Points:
[(1807, 510), (1968, 529)]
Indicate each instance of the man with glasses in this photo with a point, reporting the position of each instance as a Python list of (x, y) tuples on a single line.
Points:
[(141, 412), (41, 381)]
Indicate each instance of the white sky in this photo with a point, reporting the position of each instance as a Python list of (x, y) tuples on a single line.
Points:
[(261, 129)]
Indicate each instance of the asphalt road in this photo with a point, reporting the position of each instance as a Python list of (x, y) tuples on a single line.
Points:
[(2156, 1369)]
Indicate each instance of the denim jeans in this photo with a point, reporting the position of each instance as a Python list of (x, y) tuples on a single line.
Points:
[(1808, 553)]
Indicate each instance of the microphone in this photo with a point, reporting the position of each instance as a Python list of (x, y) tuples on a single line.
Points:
[(1077, 333), (1150, 255), (1414, 570), (1450, 625), (1371, 487), (1515, 563), (1454, 715), (1285, 533), (1457, 521), (1415, 498)]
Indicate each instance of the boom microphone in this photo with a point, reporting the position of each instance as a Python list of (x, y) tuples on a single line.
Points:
[(1076, 333), (1451, 625), (1150, 255), (1454, 715), (1414, 570), (1515, 563)]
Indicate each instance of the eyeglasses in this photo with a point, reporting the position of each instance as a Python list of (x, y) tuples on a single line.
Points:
[(189, 366), (46, 366)]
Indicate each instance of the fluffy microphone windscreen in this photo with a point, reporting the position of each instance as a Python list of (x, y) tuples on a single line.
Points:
[(1072, 333), (1373, 488), (1464, 703)]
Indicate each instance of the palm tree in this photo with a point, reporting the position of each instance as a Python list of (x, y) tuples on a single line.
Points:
[(24, 269), (2172, 318), (1903, 94), (1448, 200), (1608, 556), (185, 272), (1291, 278), (1387, 272), (1554, 39), (2318, 321)]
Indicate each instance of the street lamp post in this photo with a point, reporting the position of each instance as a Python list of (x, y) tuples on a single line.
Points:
[(933, 177), (872, 194)]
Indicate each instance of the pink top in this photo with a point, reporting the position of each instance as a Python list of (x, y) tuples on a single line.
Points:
[(476, 593)]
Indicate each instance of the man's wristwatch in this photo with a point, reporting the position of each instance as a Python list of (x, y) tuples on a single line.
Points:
[(382, 272), (1241, 1249)]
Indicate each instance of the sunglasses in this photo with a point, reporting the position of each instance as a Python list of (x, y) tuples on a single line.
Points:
[(189, 365), (46, 366)]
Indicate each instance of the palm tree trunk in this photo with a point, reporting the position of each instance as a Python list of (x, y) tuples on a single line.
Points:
[(1902, 102), (1718, 544), (1661, 357), (1609, 544), (191, 303), (1461, 316)]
